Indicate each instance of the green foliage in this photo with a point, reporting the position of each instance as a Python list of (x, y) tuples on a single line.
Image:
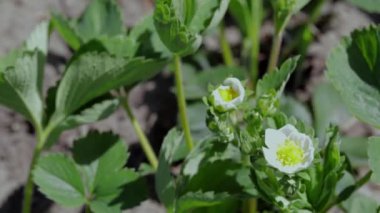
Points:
[(59, 179), (92, 74), (212, 174), (101, 18), (356, 62), (95, 176), (277, 79), (21, 76), (328, 108), (356, 150), (374, 157), (368, 5), (180, 23), (165, 182)]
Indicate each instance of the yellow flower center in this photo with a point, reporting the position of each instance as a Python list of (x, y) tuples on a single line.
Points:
[(228, 94), (290, 153)]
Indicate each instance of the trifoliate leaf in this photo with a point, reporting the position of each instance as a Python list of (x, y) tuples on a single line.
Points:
[(165, 183), (59, 179), (353, 68), (96, 177), (101, 157), (374, 157), (277, 79)]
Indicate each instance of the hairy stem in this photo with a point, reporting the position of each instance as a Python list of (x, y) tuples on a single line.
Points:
[(254, 35), (29, 185), (275, 52), (226, 48), (144, 142), (182, 102)]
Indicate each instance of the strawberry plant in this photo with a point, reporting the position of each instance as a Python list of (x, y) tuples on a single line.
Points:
[(241, 143)]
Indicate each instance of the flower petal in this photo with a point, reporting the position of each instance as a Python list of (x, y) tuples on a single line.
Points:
[(273, 138), (288, 129), (271, 158)]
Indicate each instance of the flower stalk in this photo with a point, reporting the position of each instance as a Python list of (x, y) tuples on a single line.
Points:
[(182, 102), (254, 36), (226, 48), (275, 51)]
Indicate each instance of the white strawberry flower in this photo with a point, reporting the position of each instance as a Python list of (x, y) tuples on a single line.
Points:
[(288, 150), (229, 95)]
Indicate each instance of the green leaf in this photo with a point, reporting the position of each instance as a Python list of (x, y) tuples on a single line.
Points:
[(213, 173), (122, 46), (38, 39), (194, 200), (360, 203), (60, 180), (101, 158), (91, 114), (93, 74), (368, 5), (102, 17), (277, 79), (374, 157), (21, 75), (356, 150), (165, 183), (67, 30), (19, 89), (353, 68), (328, 109), (97, 177), (208, 14)]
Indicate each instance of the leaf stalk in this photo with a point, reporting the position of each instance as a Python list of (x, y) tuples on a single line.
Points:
[(144, 142)]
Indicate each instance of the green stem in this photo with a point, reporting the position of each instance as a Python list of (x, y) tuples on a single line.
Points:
[(226, 48), (87, 209), (29, 185), (275, 52), (144, 142), (182, 102), (250, 205), (254, 36)]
